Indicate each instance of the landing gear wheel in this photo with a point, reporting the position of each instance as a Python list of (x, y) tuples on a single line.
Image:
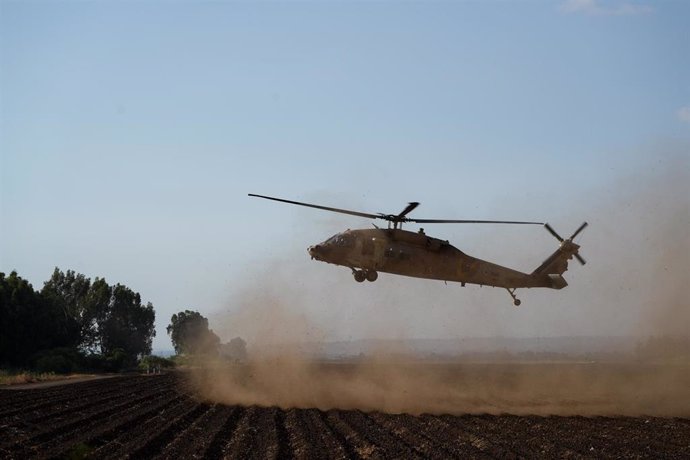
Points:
[(372, 275), (359, 275), (516, 301)]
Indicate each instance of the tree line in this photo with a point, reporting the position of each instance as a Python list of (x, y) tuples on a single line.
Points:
[(72, 322), (190, 335)]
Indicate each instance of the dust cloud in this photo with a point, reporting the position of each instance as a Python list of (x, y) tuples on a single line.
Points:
[(414, 388), (397, 380), (640, 237)]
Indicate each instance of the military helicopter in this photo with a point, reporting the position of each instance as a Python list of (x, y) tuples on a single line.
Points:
[(401, 252)]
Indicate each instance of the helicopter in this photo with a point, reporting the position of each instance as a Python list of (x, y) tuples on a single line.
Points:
[(401, 252)]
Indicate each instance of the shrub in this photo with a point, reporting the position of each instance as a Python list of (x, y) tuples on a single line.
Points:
[(57, 360), (152, 361)]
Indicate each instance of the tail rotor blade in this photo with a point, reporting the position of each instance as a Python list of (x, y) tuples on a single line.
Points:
[(553, 232), (580, 259), (582, 227)]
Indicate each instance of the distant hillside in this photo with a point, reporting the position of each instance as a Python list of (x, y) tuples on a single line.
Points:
[(454, 347), (164, 353), (575, 346)]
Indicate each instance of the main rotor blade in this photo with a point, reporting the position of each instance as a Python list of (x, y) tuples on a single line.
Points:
[(553, 232), (580, 259), (462, 221), (408, 209), (325, 208), (582, 227)]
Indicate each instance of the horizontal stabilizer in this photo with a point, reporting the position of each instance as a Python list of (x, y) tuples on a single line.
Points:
[(557, 281)]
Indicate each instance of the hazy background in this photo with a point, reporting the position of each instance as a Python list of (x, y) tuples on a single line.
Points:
[(131, 133)]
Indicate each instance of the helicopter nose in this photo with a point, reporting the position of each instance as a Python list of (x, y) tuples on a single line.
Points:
[(315, 251)]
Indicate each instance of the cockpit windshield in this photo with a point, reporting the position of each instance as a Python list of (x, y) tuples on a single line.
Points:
[(341, 239)]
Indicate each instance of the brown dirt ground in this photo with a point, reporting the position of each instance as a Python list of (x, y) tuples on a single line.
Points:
[(159, 416)]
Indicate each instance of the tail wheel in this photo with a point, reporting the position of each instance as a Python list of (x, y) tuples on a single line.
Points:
[(372, 275), (360, 276), (516, 301)]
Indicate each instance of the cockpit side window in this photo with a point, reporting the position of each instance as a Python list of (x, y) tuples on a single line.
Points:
[(344, 241)]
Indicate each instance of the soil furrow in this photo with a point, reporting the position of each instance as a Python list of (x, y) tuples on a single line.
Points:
[(133, 440), (658, 433), (240, 445), (84, 403), (405, 427), (322, 438), (307, 442), (130, 420), (194, 440), (99, 439), (9, 397), (382, 438), (42, 402), (160, 417), (493, 427), (285, 447), (546, 436), (266, 442), (600, 436), (67, 426), (155, 444), (537, 436), (63, 442), (478, 446), (222, 436), (357, 446)]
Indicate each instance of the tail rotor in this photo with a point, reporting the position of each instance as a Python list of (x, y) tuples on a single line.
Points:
[(569, 240)]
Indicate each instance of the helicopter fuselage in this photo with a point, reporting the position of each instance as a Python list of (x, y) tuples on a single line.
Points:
[(418, 255), (394, 250)]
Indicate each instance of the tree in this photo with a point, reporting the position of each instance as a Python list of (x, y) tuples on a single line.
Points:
[(108, 318), (69, 292), (30, 322), (190, 334), (74, 315), (97, 310), (235, 350), (127, 324)]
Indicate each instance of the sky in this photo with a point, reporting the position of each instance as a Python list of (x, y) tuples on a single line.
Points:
[(132, 132)]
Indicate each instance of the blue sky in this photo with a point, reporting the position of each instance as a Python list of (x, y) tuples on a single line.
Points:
[(130, 134)]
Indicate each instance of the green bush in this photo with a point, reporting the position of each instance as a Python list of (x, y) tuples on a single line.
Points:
[(57, 360), (152, 361), (94, 362), (116, 360), (53, 363), (183, 360)]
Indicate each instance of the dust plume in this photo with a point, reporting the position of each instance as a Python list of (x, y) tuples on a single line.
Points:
[(638, 249), (289, 374), (643, 222), (399, 386)]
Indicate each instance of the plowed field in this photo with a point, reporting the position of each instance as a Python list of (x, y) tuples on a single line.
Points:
[(158, 416)]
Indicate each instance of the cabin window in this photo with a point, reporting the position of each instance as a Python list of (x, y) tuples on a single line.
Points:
[(396, 254), (368, 247)]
